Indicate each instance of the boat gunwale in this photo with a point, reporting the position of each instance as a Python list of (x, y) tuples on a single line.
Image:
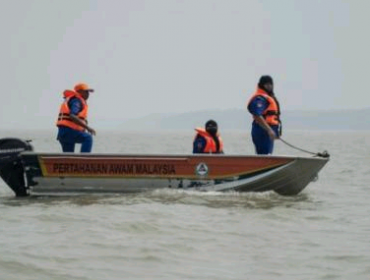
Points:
[(165, 156)]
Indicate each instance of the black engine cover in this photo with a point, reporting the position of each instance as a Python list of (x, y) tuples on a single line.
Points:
[(11, 168)]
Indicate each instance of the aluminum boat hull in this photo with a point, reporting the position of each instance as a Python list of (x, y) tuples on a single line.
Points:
[(28, 172)]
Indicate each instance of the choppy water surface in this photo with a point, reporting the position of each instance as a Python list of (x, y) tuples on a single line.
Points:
[(323, 233)]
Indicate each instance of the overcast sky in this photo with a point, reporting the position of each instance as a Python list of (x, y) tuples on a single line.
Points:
[(173, 56)]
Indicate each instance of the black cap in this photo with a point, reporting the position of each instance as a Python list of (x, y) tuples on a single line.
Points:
[(265, 80), (211, 123)]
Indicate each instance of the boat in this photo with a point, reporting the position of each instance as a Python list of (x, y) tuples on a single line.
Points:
[(28, 173)]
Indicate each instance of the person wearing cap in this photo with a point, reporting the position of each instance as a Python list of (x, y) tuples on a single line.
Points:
[(72, 120), (265, 109), (208, 140)]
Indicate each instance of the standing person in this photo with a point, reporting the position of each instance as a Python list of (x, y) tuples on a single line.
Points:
[(208, 140), (265, 108), (72, 120)]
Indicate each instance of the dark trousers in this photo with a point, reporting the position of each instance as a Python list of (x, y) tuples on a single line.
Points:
[(69, 137), (261, 140)]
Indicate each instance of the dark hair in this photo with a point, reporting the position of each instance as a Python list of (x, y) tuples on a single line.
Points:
[(265, 80), (211, 128), (211, 123)]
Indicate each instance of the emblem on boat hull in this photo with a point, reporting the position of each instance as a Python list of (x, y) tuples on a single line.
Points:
[(201, 169)]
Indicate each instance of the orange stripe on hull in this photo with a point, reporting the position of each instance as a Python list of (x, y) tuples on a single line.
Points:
[(192, 167)]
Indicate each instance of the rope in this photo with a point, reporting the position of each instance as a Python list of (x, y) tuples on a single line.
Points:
[(324, 154)]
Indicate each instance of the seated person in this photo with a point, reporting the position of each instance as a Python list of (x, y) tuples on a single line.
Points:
[(208, 140)]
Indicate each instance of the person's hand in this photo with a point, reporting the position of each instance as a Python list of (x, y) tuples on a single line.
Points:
[(272, 134), (91, 131)]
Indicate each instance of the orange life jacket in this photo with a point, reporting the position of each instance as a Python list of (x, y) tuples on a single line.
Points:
[(64, 112), (272, 112), (211, 146)]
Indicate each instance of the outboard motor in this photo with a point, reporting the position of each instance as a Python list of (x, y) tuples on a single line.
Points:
[(11, 167)]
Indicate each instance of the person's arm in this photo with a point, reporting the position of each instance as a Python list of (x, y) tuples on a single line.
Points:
[(75, 108), (256, 108), (262, 122), (198, 145), (78, 121)]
